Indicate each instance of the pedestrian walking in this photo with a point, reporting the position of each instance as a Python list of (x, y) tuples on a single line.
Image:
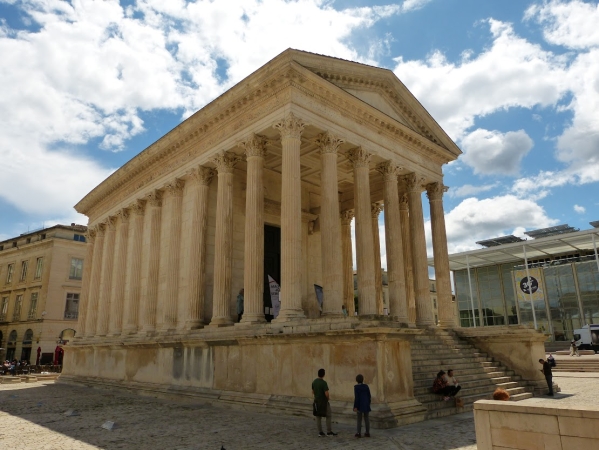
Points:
[(548, 375), (573, 349)]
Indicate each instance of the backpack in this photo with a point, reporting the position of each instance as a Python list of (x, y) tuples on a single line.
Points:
[(552, 362)]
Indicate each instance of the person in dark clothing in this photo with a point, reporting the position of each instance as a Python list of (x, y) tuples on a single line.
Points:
[(362, 405), (440, 386), (548, 375), (322, 407)]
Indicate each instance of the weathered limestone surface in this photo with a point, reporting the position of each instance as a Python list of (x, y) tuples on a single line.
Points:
[(508, 425), (236, 364)]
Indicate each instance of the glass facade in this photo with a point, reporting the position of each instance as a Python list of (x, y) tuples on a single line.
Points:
[(568, 290)]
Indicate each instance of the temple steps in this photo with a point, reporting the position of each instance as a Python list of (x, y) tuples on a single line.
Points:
[(576, 365), (478, 373)]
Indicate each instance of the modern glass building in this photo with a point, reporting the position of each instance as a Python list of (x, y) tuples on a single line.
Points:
[(551, 280)]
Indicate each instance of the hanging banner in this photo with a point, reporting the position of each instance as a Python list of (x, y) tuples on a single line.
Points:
[(525, 289), (274, 296), (319, 295)]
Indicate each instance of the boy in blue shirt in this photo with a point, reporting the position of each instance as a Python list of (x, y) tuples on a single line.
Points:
[(362, 405)]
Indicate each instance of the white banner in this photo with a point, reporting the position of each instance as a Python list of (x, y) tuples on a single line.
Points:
[(274, 296)]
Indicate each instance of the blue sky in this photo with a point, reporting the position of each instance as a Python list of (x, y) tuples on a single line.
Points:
[(86, 85)]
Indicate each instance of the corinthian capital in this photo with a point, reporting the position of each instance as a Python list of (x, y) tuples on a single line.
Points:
[(123, 215), (110, 223), (389, 170), (154, 198), (328, 142), (347, 216), (359, 157), (403, 202), (202, 175), (138, 207), (225, 162), (90, 235), (435, 191), (174, 188), (100, 229), (255, 145), (376, 209), (413, 182), (290, 126)]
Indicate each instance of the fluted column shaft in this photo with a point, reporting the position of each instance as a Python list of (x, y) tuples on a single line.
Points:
[(192, 299), (253, 267), (133, 270), (330, 226), (170, 242), (394, 244), (291, 129), (375, 210), (117, 295), (106, 278), (424, 309), (223, 241), (90, 240), (94, 284), (150, 261), (404, 220), (348, 261), (364, 235), (447, 318)]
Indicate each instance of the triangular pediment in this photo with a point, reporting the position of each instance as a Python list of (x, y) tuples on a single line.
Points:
[(378, 101)]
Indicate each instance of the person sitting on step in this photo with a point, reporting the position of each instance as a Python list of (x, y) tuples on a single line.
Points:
[(440, 386), (451, 381)]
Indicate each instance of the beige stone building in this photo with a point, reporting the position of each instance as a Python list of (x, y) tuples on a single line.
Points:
[(40, 288), (264, 181)]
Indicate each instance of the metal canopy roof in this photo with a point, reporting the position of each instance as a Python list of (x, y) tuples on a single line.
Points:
[(500, 241), (535, 249), (551, 231), (595, 224)]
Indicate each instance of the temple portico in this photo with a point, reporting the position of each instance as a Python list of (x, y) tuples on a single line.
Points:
[(265, 182)]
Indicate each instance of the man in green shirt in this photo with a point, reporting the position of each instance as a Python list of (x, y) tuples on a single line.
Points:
[(322, 408)]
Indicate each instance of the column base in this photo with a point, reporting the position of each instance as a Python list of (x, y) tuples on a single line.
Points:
[(217, 322), (289, 314), (129, 331), (252, 319)]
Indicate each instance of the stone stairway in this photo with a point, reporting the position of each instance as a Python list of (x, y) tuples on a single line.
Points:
[(576, 364), (478, 374)]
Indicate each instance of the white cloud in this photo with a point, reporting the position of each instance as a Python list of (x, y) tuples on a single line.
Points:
[(572, 24), (92, 67), (579, 209), (468, 190), (493, 152), (474, 220), (456, 94)]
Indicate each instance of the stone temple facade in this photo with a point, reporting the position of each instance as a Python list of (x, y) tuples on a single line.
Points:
[(265, 180)]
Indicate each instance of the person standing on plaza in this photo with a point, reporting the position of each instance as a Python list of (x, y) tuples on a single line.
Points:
[(322, 407), (240, 305), (362, 405), (573, 348), (548, 375)]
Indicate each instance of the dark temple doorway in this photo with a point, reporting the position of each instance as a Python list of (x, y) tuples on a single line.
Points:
[(272, 263)]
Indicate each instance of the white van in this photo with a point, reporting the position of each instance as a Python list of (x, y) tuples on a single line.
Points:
[(587, 337)]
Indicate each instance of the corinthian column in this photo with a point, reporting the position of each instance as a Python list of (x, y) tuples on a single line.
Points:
[(330, 226), (150, 261), (133, 269), (424, 310), (404, 220), (223, 241), (90, 239), (94, 284), (118, 274), (364, 235), (253, 267), (435, 192), (375, 210), (170, 233), (291, 219), (106, 278), (192, 299), (394, 244), (348, 261)]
